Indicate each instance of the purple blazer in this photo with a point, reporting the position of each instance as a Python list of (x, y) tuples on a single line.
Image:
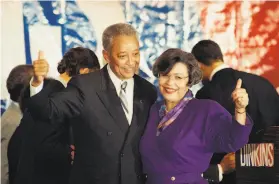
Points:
[(182, 152)]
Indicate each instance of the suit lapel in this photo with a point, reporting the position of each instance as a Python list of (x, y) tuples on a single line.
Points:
[(138, 107), (111, 101)]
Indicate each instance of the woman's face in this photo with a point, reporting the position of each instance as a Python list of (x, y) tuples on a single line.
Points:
[(174, 85)]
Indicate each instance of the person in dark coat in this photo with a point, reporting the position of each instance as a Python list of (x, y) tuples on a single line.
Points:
[(263, 105), (43, 150)]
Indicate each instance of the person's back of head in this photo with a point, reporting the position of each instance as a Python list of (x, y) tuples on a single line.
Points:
[(18, 79), (209, 55), (207, 52), (78, 60)]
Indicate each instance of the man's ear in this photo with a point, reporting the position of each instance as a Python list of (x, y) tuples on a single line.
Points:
[(106, 55)]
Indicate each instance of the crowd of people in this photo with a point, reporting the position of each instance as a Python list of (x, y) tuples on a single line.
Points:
[(106, 126)]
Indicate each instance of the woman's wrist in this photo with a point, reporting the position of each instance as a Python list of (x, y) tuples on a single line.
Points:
[(240, 110)]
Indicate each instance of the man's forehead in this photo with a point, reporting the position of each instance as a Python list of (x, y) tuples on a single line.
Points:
[(125, 38), (125, 43)]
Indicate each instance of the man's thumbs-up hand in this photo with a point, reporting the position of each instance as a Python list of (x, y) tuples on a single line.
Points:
[(240, 97), (41, 68)]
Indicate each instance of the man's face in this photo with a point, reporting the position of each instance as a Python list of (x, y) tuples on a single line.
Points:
[(124, 56)]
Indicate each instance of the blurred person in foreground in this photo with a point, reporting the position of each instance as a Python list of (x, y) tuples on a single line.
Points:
[(17, 80)]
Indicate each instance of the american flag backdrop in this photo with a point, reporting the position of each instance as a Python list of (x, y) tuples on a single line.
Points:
[(247, 31)]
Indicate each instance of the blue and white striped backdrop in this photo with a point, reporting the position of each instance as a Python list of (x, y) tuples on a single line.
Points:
[(56, 26)]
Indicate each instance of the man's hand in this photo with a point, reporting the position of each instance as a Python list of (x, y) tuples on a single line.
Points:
[(228, 163), (41, 68)]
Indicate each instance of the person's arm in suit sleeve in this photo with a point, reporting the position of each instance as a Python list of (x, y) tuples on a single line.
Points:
[(50, 149), (54, 151), (214, 173), (50, 85), (224, 133), (65, 104)]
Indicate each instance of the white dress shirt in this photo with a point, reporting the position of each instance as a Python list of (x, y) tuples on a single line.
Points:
[(220, 172), (129, 92)]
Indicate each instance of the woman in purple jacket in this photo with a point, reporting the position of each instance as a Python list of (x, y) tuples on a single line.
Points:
[(182, 132)]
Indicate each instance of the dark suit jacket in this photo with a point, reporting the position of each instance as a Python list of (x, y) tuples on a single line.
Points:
[(106, 146), (263, 103), (39, 152)]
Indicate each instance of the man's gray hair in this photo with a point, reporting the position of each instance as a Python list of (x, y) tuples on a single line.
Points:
[(116, 30)]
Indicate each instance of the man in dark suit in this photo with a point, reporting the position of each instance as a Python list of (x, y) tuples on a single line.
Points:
[(38, 150), (110, 107), (42, 149), (263, 99)]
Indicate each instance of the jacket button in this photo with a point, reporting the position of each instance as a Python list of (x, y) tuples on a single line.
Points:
[(122, 155), (172, 178), (109, 133)]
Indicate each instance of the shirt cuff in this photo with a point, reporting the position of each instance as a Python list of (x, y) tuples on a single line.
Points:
[(220, 172), (35, 90)]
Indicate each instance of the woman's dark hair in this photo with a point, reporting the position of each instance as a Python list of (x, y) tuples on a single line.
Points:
[(170, 57), (77, 58)]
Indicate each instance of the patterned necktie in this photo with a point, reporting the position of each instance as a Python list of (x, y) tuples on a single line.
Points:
[(123, 98)]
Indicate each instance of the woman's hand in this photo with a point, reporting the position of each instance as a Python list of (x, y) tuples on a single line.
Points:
[(240, 98)]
